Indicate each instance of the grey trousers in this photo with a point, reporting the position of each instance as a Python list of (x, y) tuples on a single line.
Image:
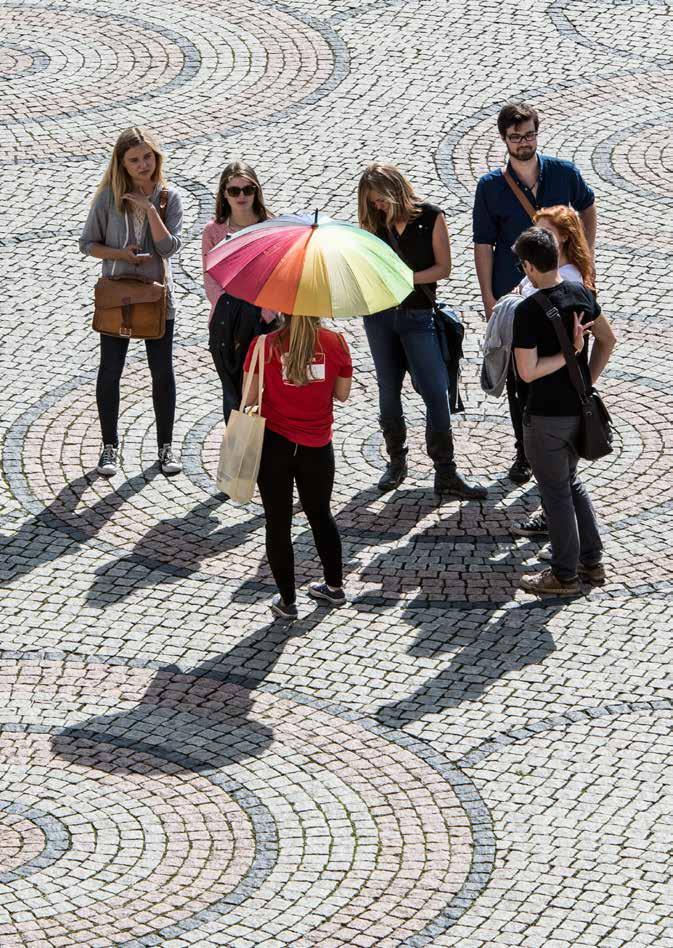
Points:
[(549, 443)]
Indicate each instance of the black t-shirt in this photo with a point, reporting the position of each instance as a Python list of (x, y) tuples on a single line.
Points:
[(554, 394), (416, 250)]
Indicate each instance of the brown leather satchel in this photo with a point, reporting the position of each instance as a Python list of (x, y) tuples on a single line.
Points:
[(132, 307)]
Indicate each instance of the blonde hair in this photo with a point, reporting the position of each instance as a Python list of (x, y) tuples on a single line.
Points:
[(574, 242), (116, 176), (239, 169), (403, 202), (302, 332)]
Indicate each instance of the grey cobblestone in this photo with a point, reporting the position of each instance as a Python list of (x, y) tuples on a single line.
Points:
[(444, 761)]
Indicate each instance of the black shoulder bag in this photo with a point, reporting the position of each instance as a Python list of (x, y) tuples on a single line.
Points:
[(595, 440), (450, 334)]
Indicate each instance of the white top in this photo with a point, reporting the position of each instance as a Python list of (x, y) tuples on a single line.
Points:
[(568, 271)]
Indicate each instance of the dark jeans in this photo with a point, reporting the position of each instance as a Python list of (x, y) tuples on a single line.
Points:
[(573, 531), (517, 396), (160, 360), (284, 463), (402, 339)]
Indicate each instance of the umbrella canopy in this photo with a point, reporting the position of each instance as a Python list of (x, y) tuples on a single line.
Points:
[(310, 265)]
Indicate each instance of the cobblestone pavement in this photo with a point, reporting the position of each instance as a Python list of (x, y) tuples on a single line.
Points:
[(446, 761)]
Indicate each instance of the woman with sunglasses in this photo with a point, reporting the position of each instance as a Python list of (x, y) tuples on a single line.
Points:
[(404, 338), (233, 323)]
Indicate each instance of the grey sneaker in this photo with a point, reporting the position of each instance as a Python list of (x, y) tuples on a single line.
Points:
[(283, 610), (109, 459), (169, 464), (336, 597)]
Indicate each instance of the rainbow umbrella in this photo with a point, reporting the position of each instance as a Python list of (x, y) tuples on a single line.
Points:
[(310, 265)]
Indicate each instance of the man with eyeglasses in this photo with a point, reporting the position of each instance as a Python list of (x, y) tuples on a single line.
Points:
[(499, 217)]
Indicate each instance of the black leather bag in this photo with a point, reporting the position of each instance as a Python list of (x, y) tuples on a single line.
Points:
[(595, 440)]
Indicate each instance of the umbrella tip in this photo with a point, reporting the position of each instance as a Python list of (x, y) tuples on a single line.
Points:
[(315, 218)]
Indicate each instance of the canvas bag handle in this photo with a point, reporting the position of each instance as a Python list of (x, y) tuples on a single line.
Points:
[(258, 356)]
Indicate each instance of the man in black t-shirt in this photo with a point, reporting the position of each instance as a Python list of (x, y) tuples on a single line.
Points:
[(552, 415)]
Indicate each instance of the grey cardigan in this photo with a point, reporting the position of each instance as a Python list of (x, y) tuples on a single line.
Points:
[(105, 225)]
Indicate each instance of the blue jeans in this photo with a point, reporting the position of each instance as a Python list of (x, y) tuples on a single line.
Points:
[(402, 339)]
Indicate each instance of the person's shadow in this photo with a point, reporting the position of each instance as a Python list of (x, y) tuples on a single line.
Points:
[(52, 533), (171, 549), (196, 720), (456, 614)]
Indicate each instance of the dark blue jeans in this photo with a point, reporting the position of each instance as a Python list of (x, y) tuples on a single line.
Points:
[(405, 339)]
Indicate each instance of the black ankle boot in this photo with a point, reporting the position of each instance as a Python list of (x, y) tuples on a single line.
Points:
[(447, 479), (395, 436)]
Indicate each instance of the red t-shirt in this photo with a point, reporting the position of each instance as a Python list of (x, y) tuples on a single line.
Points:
[(303, 413)]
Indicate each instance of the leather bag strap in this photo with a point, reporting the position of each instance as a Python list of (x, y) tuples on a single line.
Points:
[(519, 195), (567, 347)]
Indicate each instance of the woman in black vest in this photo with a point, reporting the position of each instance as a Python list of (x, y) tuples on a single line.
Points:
[(404, 338)]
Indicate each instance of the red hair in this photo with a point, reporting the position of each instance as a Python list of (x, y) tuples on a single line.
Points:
[(569, 225)]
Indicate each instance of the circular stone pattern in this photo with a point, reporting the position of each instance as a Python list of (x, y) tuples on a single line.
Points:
[(640, 30), (332, 823), (396, 547), (197, 68)]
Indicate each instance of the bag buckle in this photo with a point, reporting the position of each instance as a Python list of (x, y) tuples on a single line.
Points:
[(125, 331)]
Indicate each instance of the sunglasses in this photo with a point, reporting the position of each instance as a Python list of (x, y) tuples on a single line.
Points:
[(248, 189), (519, 266)]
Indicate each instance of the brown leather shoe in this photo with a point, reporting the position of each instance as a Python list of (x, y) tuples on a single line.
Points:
[(547, 584), (592, 574)]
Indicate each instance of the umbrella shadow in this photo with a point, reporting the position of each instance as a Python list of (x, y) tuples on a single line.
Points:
[(61, 526), (197, 720)]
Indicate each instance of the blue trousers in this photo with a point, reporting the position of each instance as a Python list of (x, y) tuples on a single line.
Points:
[(403, 339)]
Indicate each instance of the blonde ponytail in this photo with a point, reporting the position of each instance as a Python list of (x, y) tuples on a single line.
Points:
[(303, 337)]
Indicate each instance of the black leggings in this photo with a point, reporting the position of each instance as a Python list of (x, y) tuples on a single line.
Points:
[(283, 463), (160, 360)]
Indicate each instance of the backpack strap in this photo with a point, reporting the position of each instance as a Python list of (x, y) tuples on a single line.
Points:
[(567, 347)]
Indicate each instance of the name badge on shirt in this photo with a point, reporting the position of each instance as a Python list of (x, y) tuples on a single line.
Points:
[(316, 369)]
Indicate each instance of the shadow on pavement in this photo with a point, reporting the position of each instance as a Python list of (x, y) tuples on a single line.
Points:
[(196, 720), (41, 539)]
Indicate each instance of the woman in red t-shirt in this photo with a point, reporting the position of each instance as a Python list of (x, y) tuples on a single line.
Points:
[(305, 368)]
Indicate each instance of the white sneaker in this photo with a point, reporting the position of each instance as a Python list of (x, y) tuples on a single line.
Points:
[(107, 465), (169, 464)]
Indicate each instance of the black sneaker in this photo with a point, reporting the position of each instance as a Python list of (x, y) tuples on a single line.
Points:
[(520, 471), (336, 597), (107, 464), (535, 526), (282, 610)]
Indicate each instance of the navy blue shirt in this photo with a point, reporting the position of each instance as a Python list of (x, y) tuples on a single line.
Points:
[(498, 218)]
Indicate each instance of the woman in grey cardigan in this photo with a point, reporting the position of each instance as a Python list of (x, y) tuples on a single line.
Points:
[(124, 229)]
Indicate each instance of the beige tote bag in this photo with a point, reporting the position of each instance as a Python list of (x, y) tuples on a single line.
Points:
[(241, 449)]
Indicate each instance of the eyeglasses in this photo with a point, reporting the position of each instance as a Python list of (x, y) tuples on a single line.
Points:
[(517, 139), (247, 189)]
